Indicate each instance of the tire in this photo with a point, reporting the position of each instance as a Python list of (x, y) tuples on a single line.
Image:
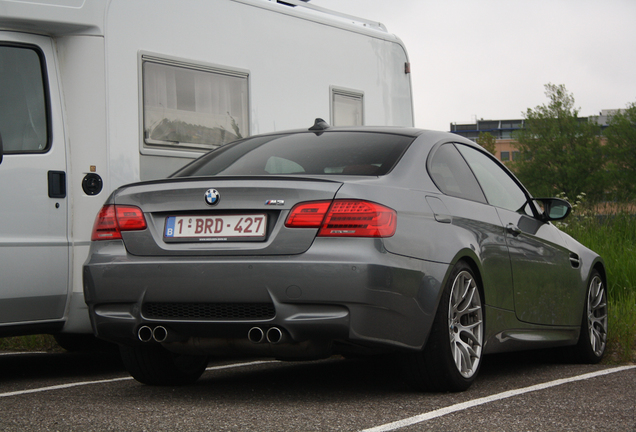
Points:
[(593, 336), (153, 365), (451, 358)]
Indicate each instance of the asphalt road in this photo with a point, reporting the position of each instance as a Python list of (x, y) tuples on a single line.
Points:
[(517, 392)]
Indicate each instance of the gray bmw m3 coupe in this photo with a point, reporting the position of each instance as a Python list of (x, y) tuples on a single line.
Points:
[(308, 243)]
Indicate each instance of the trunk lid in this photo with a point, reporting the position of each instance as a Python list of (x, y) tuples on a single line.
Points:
[(221, 216)]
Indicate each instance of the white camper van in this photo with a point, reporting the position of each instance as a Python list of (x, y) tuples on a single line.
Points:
[(98, 93)]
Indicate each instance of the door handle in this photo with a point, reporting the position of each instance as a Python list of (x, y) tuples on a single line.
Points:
[(57, 184), (513, 229)]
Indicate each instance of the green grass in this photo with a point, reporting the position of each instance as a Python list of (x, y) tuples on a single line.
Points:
[(613, 236), (622, 329), (30, 343)]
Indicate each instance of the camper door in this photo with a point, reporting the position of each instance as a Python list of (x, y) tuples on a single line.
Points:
[(34, 246)]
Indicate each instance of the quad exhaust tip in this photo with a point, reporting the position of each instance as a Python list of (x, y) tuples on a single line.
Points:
[(273, 335), (147, 334), (160, 334), (144, 334), (256, 335)]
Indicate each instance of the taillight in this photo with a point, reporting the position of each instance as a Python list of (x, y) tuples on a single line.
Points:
[(344, 218), (308, 215), (113, 219)]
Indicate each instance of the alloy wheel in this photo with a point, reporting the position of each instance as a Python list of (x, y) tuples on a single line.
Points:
[(465, 323), (597, 315)]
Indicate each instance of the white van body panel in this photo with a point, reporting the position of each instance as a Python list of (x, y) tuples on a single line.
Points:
[(291, 60), (34, 248)]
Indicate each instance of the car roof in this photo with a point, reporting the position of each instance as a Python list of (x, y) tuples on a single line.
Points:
[(430, 135)]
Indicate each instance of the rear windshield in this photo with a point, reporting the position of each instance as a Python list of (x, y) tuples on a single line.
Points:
[(331, 153)]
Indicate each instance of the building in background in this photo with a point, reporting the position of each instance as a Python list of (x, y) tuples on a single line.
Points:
[(503, 131)]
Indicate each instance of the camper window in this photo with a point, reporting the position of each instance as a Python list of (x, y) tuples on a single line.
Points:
[(193, 107), (23, 108), (347, 107)]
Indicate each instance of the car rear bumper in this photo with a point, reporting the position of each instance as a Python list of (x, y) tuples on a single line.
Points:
[(345, 290)]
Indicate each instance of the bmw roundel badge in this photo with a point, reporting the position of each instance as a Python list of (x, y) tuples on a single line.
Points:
[(212, 197)]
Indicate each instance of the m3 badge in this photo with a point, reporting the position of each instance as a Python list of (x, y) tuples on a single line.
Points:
[(275, 202)]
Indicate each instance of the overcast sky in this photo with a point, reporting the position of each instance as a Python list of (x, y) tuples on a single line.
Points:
[(490, 59)]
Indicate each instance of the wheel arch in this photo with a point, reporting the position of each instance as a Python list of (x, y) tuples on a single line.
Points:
[(438, 365), (599, 266), (586, 276), (592, 344), (471, 259)]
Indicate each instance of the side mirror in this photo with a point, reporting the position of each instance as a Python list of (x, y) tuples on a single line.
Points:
[(554, 208)]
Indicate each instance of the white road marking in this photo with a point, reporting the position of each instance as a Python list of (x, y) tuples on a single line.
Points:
[(382, 428), (484, 400), (62, 386), (236, 365), (106, 381)]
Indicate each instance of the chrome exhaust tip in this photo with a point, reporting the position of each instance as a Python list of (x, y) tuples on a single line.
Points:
[(144, 334), (255, 335), (274, 335), (160, 334)]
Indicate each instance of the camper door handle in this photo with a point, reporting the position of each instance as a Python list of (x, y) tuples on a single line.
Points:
[(57, 184)]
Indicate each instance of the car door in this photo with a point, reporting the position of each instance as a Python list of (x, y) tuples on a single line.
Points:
[(481, 228), (543, 270), (34, 246)]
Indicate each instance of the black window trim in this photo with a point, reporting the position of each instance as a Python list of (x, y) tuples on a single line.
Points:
[(529, 197), (436, 147), (47, 97), (429, 161)]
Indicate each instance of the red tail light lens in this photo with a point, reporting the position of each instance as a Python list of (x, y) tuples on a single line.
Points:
[(130, 218), (105, 226), (344, 218), (354, 218), (308, 215), (113, 219)]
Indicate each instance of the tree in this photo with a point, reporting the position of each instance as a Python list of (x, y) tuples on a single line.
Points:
[(559, 151), (621, 153), (487, 141)]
